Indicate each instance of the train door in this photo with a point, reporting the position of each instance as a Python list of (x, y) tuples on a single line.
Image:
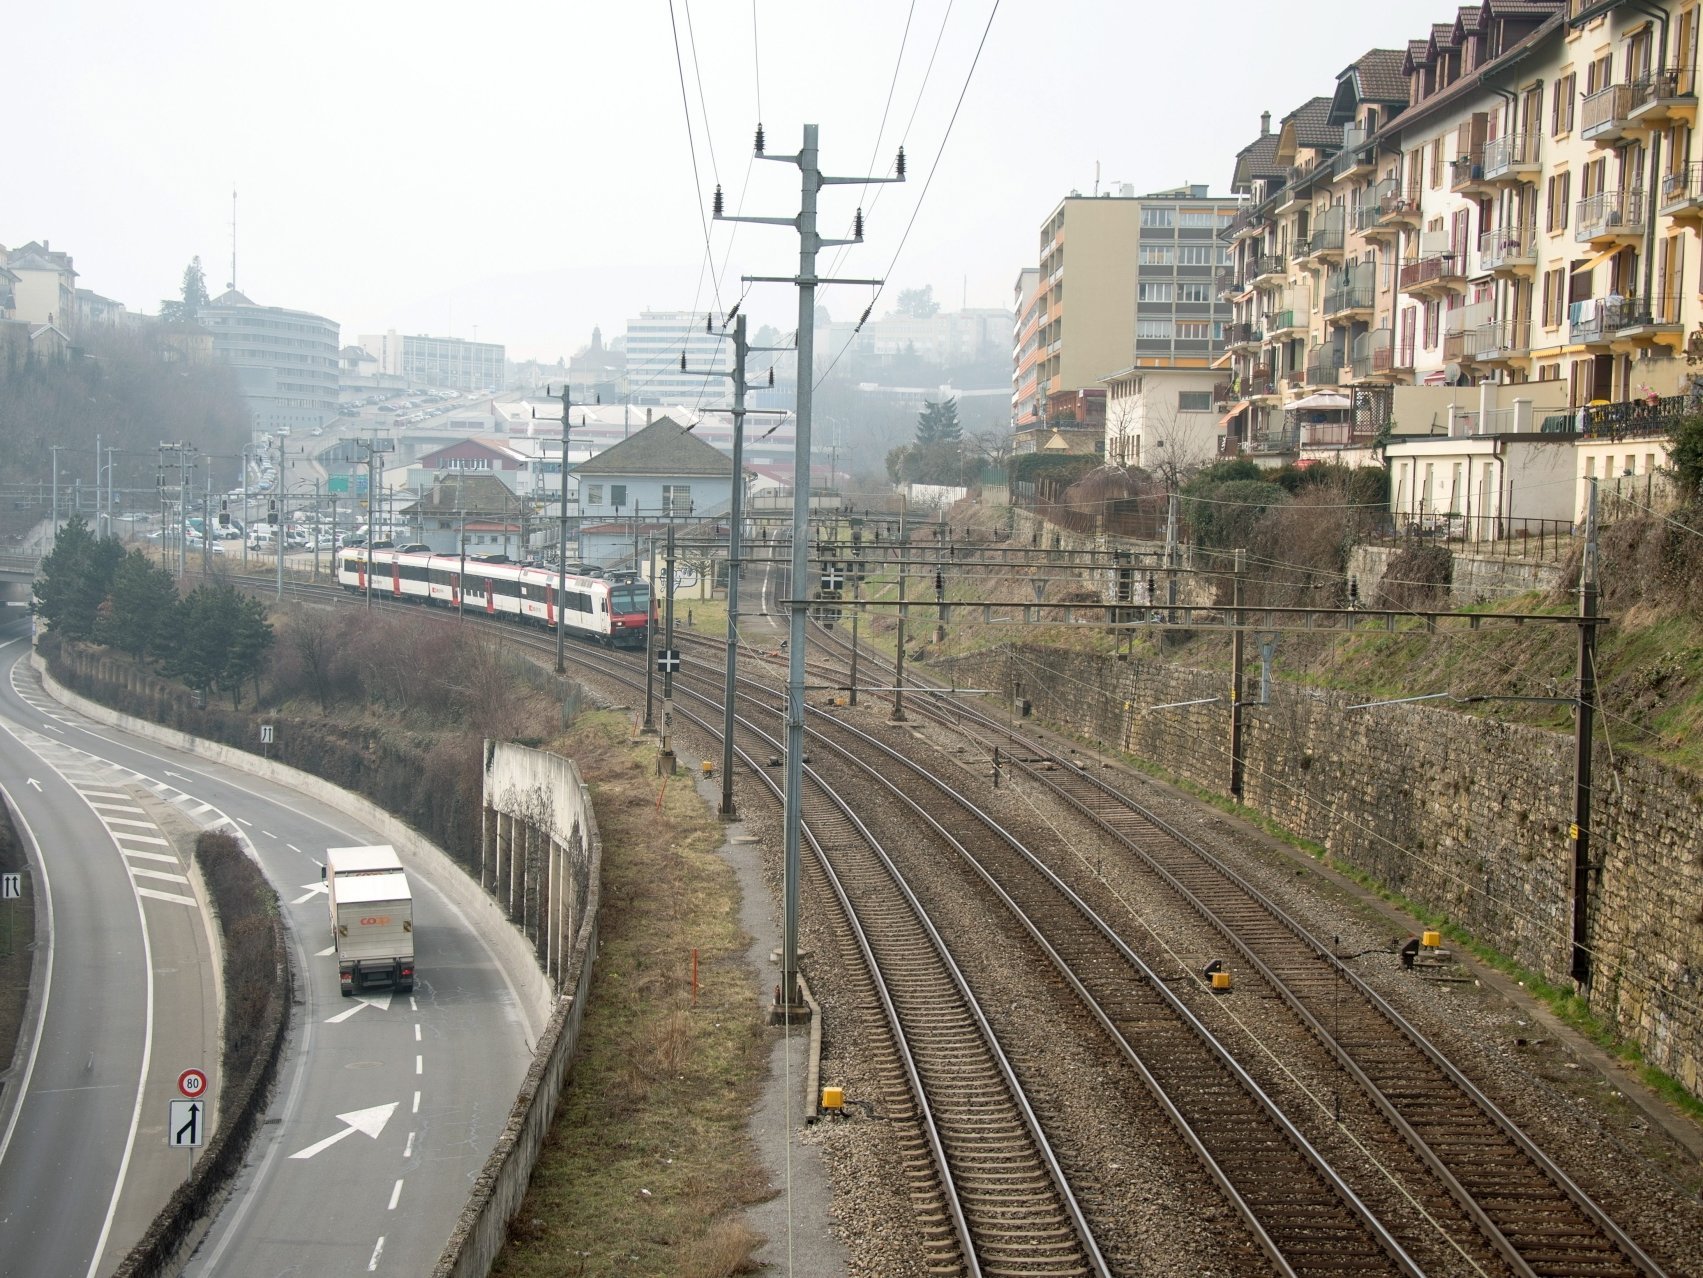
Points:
[(455, 591), (396, 579), (550, 606), (490, 597)]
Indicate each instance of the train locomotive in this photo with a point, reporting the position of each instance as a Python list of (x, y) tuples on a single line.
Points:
[(607, 612)]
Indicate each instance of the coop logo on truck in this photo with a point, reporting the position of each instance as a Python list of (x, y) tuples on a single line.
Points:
[(375, 920)]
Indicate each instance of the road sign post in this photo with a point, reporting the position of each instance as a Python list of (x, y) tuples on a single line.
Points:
[(186, 1127), (11, 888)]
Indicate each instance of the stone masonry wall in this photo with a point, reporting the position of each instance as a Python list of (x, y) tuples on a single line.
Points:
[(1464, 815)]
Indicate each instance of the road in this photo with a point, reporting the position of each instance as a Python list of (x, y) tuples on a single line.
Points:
[(386, 1107)]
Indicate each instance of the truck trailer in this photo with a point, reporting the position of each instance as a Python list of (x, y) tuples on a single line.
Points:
[(372, 918)]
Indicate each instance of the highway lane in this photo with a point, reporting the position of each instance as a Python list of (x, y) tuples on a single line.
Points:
[(387, 1107), (123, 992)]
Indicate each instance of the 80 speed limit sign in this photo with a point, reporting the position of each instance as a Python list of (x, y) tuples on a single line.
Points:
[(192, 1083)]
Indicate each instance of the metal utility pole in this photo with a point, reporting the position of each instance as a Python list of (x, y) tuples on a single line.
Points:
[(1583, 723), (735, 540), (899, 662), (562, 541), (1237, 640), (650, 640), (810, 242), (98, 486), (53, 541), (665, 757)]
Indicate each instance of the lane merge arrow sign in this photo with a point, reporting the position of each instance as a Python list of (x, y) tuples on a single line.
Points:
[(371, 1121), (192, 1083), (185, 1129), (11, 886)]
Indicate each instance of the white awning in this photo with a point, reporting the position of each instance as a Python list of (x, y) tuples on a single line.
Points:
[(1322, 401)]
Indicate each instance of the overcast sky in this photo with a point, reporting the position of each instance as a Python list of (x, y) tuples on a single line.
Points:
[(521, 172)]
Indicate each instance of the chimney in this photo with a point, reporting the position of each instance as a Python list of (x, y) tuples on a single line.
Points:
[(1265, 123)]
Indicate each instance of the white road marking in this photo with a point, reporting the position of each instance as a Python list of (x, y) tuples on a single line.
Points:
[(112, 821), (149, 856), (370, 1121), (249, 824), (294, 848), (416, 1102), (372, 1265), (419, 1064), (395, 1196), (166, 896), (269, 834), (313, 890), (328, 950), (413, 1004), (408, 1149), (136, 872), (113, 807), (138, 838), (202, 810), (416, 1033), (106, 794)]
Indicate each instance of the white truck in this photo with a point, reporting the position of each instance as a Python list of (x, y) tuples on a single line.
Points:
[(372, 918)]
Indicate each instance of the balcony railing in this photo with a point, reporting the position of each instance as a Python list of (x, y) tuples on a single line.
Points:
[(1278, 321), (1401, 204), (1605, 112), (1609, 213), (1504, 155), (1508, 246), (1461, 347), (1666, 85), (1246, 220), (1269, 264), (1326, 239), (1260, 382), (1596, 319), (1632, 418), (1394, 358), (1324, 365), (1242, 334), (1683, 187), (1355, 296), (1366, 216), (1503, 338), (1431, 270), (1336, 434), (1466, 171)]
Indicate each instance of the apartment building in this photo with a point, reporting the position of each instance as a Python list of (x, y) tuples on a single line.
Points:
[(1520, 199), (1142, 292), (285, 361), (435, 363)]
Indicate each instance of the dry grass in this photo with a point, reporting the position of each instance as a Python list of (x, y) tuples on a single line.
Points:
[(648, 1164)]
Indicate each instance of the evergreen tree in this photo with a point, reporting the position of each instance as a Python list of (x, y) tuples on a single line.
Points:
[(194, 296), (252, 638), (75, 579), (938, 423), (142, 619)]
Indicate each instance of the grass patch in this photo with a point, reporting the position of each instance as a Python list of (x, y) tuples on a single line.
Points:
[(17, 940), (648, 1165)]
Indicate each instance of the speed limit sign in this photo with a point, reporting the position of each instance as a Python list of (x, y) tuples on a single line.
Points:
[(192, 1083)]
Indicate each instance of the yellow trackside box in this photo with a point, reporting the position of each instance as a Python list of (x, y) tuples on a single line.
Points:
[(1220, 981), (833, 1098), (1431, 940)]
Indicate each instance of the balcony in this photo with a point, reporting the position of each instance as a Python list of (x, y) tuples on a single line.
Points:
[(1324, 366), (1466, 175), (1400, 206), (1326, 242), (1682, 191), (1283, 324), (1642, 321), (1606, 115), (1434, 274), (1224, 285), (1244, 224), (1337, 434), (1240, 336), (1349, 300), (1503, 341), (1669, 94), (1260, 383), (1391, 358), (1508, 250), (1269, 268), (1594, 319), (1512, 159), (1608, 216), (1462, 347), (1355, 158)]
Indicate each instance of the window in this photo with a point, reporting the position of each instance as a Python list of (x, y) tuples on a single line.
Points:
[(1195, 254), (1152, 216), (1157, 254), (1193, 330), (617, 495), (676, 499), (1554, 296), (594, 494), (1194, 401), (1153, 293), (1198, 217), (1436, 175), (1153, 330), (1559, 198), (1194, 292), (1432, 312)]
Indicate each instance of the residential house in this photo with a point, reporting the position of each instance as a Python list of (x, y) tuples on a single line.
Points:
[(659, 475), (45, 291)]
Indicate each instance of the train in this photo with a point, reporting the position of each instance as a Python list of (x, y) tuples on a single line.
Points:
[(614, 613)]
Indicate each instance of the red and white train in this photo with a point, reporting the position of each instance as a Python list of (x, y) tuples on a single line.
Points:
[(610, 612)]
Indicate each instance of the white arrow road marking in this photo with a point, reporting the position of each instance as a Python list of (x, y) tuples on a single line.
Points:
[(180, 778), (371, 1121), (312, 890), (382, 1002), (35, 783), (328, 950)]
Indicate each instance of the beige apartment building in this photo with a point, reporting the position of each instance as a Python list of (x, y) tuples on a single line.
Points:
[(1140, 292), (1518, 203)]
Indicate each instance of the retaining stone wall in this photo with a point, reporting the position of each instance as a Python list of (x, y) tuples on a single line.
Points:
[(1463, 815)]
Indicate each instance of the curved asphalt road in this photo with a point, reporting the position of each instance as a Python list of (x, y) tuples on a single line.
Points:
[(386, 1108)]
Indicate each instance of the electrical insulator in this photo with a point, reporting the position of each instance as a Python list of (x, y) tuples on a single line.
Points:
[(939, 583), (759, 138), (708, 326), (682, 361), (771, 376), (857, 225), (899, 164), (715, 207), (864, 318)]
